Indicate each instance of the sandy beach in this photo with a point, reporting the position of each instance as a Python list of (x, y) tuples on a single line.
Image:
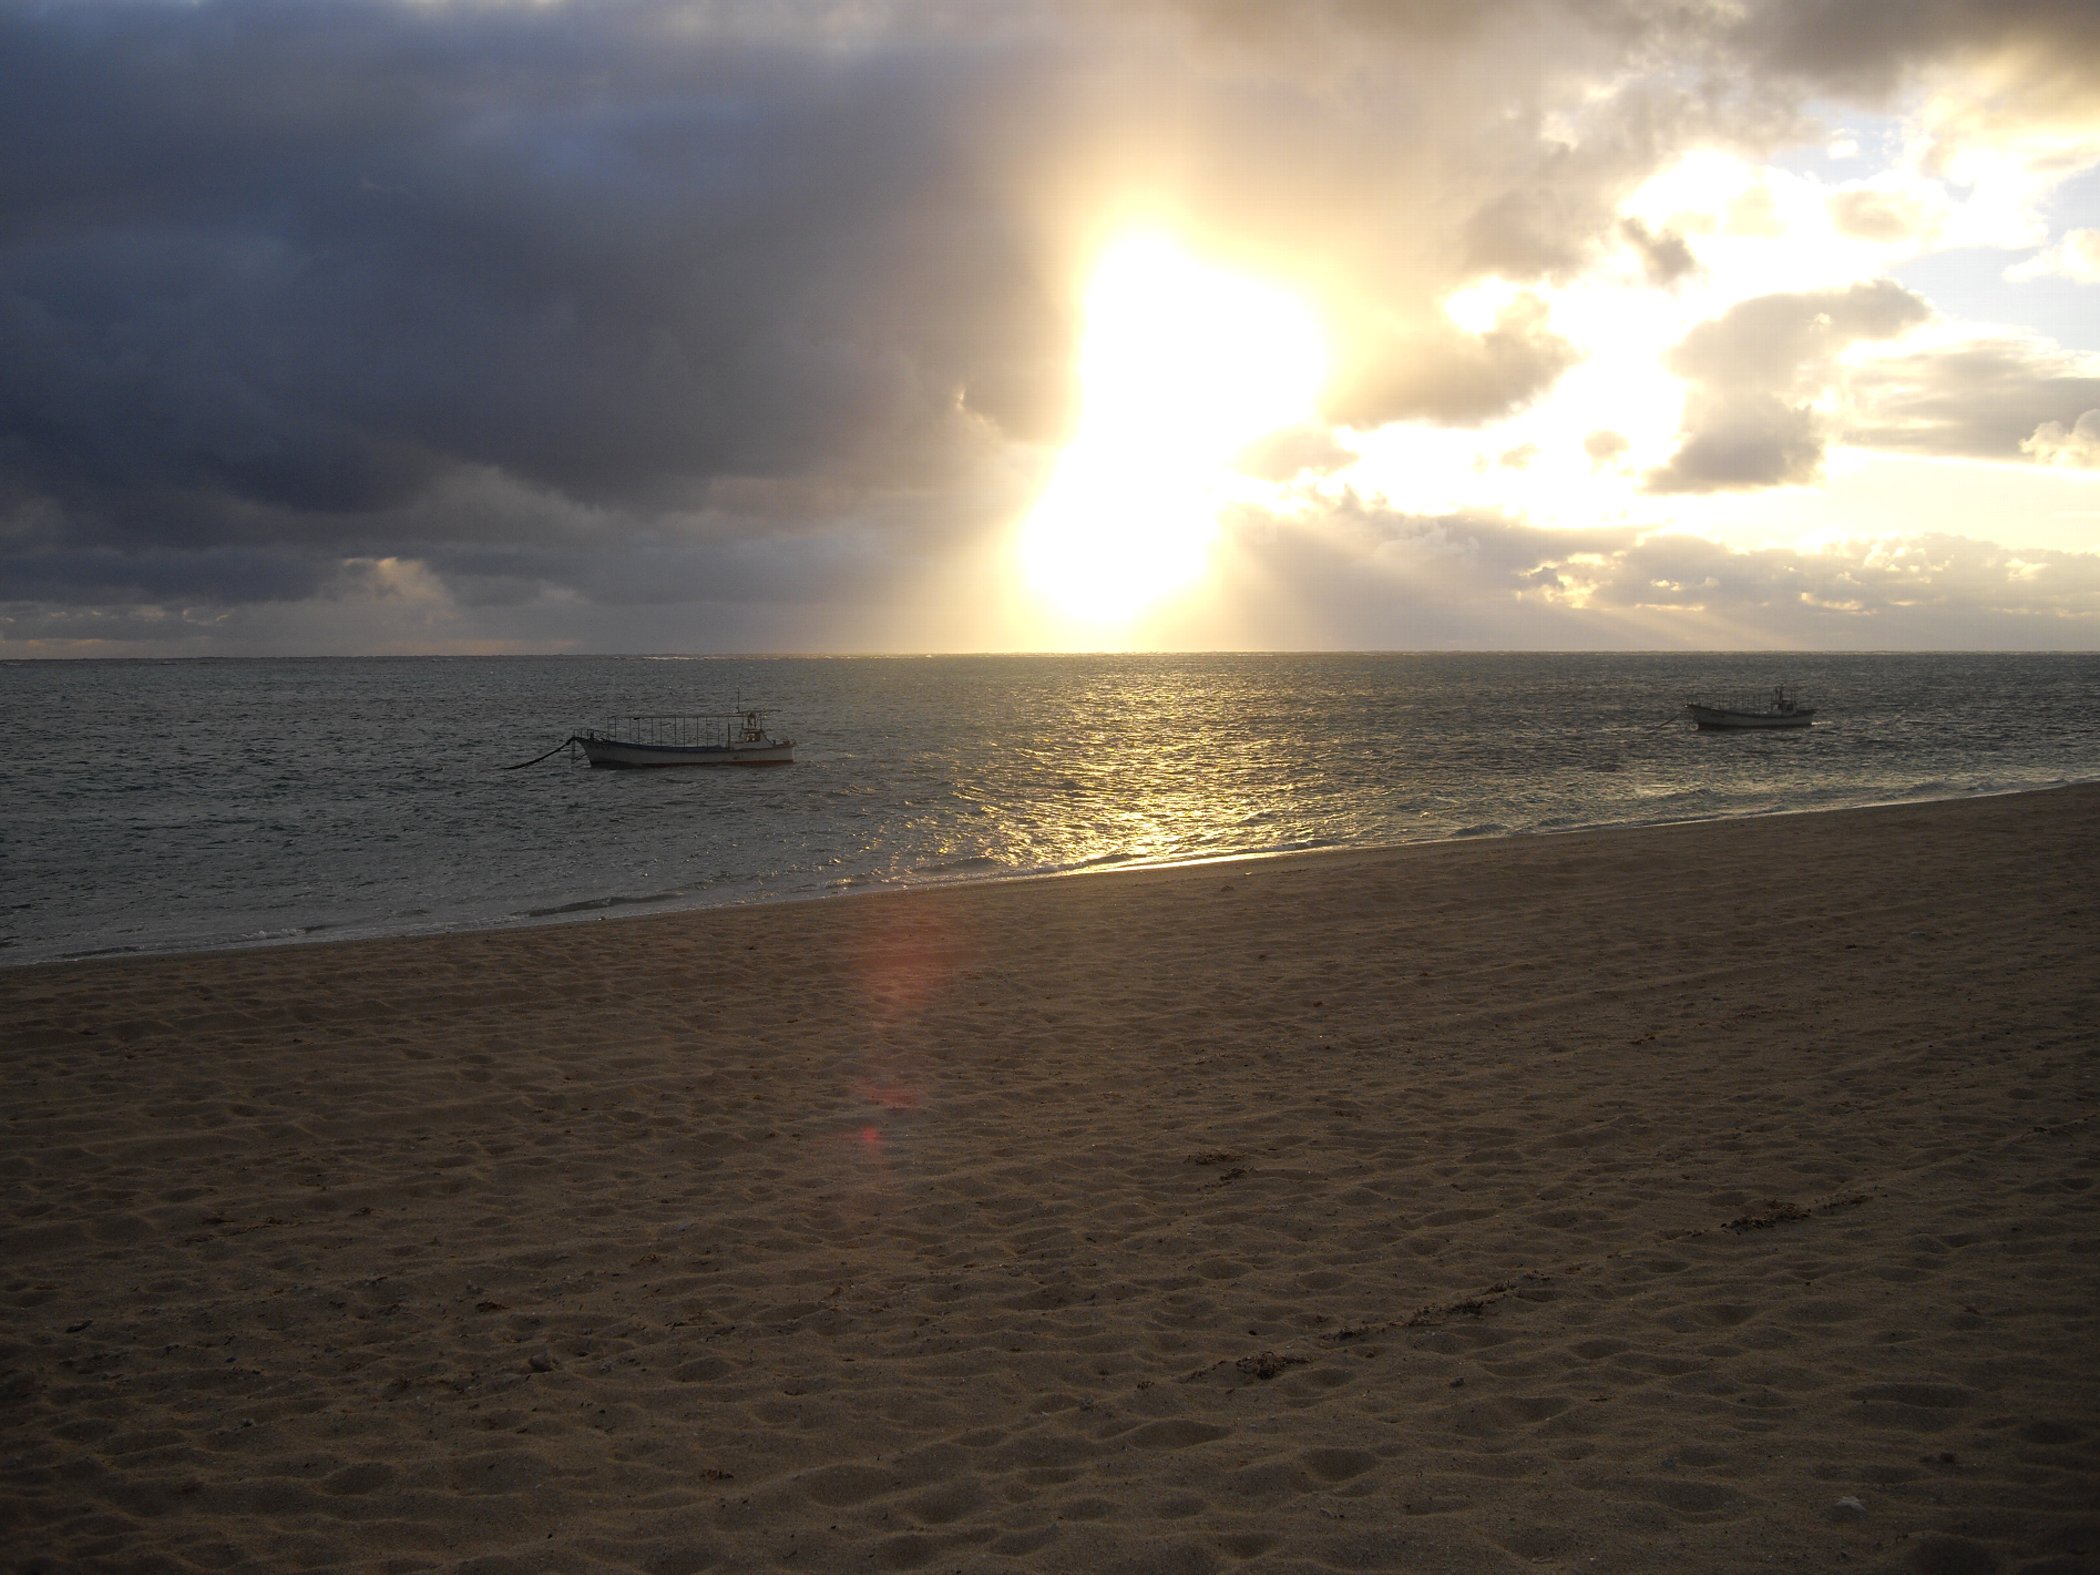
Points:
[(1706, 1197)]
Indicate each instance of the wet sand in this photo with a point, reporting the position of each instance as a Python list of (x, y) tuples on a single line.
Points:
[(1690, 1198)]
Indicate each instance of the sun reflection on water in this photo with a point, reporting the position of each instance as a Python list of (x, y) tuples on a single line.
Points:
[(1150, 772)]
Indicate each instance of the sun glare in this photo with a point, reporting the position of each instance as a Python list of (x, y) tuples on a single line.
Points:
[(1182, 366)]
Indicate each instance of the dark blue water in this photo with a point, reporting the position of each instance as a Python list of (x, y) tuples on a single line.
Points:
[(152, 806)]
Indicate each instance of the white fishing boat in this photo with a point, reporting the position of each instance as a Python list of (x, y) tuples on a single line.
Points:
[(682, 738), (1782, 710), (688, 738)]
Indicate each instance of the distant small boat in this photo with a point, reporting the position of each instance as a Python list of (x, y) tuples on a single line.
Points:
[(1782, 710), (692, 738)]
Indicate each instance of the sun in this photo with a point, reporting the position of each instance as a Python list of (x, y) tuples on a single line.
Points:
[(1182, 366)]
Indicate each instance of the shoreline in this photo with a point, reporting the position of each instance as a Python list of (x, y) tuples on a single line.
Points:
[(594, 911), (1624, 1199)]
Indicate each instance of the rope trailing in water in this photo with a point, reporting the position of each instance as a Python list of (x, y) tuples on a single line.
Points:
[(1670, 720), (536, 759)]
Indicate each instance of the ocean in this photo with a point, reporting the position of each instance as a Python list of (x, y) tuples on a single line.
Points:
[(180, 805)]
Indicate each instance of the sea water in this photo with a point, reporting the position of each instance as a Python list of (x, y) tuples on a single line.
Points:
[(158, 806)]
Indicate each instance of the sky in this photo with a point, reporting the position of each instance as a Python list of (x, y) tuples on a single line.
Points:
[(486, 326)]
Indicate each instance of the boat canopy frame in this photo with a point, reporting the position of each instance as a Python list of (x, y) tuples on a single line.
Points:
[(1779, 700), (691, 729)]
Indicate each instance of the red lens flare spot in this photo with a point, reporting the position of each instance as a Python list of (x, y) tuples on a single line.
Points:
[(906, 966)]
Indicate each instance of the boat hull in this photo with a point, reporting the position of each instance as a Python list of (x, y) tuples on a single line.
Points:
[(1719, 719), (624, 755)]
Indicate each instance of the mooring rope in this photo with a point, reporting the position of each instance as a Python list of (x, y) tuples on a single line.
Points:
[(536, 759)]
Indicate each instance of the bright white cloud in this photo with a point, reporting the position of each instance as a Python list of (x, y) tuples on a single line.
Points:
[(2079, 445), (2075, 257)]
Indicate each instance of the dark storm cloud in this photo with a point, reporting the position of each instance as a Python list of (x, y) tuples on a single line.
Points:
[(163, 575), (1754, 372), (265, 261)]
